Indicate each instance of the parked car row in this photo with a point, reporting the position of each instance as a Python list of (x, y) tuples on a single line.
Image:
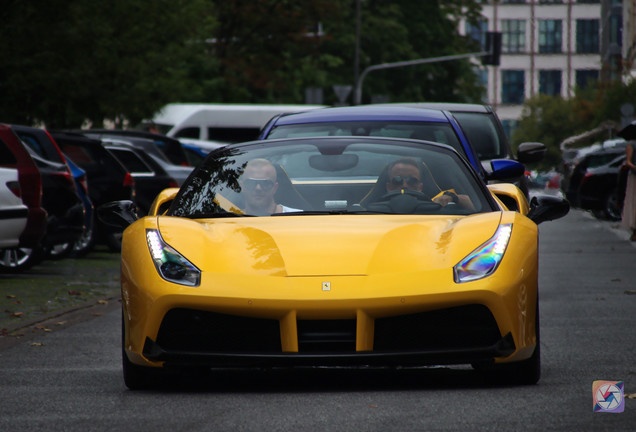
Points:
[(52, 182), (597, 182)]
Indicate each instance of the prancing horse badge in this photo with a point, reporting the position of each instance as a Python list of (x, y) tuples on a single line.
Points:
[(326, 286)]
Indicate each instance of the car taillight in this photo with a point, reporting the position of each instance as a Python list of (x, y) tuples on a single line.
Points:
[(173, 184), (129, 180), (14, 187)]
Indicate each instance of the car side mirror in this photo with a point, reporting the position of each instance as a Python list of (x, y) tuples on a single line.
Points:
[(545, 208), (530, 152), (505, 169), (118, 214)]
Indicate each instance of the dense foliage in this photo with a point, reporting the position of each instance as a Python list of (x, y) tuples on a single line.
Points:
[(67, 62)]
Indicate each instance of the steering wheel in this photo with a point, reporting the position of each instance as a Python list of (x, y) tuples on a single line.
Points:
[(405, 201)]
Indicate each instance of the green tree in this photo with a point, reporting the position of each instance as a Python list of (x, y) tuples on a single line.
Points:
[(67, 61)]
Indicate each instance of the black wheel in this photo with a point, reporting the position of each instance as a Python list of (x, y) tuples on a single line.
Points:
[(611, 206), (59, 251), (17, 260), (84, 244), (135, 377)]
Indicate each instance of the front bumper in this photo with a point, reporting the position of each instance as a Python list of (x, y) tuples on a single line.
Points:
[(466, 334)]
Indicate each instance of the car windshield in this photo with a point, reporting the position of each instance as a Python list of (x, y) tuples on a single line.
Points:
[(331, 176), (429, 131)]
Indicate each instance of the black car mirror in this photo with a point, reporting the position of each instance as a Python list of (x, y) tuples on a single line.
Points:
[(530, 152), (118, 214), (545, 208)]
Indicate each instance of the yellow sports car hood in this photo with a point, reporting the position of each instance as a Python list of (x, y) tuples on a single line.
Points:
[(327, 245)]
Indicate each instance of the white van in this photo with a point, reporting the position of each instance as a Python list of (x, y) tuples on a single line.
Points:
[(229, 123)]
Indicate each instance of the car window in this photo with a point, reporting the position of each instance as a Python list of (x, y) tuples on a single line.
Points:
[(438, 132), (482, 133), (45, 150), (131, 161), (322, 175)]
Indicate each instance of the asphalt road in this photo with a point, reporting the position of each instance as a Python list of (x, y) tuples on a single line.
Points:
[(69, 378)]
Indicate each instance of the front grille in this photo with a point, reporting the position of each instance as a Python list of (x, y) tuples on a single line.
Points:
[(337, 336), (469, 326), (200, 331), (459, 328)]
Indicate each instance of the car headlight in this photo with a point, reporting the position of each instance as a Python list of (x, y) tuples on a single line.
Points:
[(484, 260), (171, 265)]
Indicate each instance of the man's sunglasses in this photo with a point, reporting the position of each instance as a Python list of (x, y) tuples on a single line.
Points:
[(410, 181), (265, 184)]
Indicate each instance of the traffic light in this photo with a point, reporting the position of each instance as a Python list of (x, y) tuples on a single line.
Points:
[(493, 46)]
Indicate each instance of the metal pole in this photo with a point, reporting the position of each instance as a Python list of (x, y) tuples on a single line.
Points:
[(358, 89), (356, 57)]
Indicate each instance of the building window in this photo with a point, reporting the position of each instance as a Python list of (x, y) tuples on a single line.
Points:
[(549, 36), (587, 36), (514, 1), (586, 77), (512, 86), (477, 32), (513, 37), (551, 1), (550, 82)]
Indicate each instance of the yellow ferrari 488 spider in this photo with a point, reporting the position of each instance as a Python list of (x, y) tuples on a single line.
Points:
[(333, 251)]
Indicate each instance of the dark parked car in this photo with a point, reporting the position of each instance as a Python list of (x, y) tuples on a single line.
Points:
[(60, 196), (171, 147), (108, 179), (13, 154), (150, 148), (486, 134), (150, 177), (593, 184)]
